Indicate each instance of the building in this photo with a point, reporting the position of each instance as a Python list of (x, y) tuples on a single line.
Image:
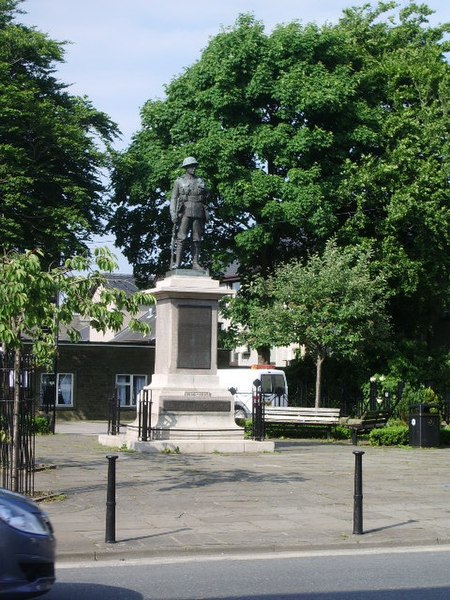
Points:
[(100, 367)]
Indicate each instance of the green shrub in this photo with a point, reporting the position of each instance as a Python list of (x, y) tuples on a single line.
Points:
[(412, 396), (4, 437), (293, 431), (41, 425), (396, 422), (445, 436), (341, 433), (396, 435)]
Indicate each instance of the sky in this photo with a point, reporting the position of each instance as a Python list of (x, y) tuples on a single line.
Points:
[(121, 53)]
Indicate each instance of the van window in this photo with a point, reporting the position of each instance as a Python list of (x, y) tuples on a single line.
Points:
[(271, 383)]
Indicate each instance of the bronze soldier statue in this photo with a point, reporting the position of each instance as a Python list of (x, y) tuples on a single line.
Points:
[(188, 210)]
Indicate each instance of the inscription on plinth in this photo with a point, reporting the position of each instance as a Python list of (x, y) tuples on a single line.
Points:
[(197, 405), (194, 337)]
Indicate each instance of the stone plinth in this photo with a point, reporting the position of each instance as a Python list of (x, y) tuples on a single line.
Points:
[(187, 446)]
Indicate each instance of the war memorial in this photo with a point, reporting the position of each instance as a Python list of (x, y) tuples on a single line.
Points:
[(189, 411)]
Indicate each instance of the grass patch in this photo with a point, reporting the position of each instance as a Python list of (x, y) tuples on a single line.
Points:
[(48, 497), (175, 450)]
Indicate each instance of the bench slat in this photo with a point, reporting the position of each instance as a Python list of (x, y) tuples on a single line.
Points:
[(303, 411), (303, 418), (371, 419), (303, 422), (302, 415)]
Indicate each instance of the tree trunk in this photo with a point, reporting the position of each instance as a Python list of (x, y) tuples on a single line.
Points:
[(16, 424), (263, 355), (319, 361)]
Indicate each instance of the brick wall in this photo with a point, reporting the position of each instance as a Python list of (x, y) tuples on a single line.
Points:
[(94, 368)]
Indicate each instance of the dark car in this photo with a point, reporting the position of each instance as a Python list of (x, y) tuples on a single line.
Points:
[(27, 548)]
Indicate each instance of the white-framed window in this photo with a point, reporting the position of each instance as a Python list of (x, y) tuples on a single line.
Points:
[(128, 388), (65, 389)]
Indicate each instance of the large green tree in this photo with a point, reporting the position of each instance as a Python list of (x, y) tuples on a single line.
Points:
[(304, 134), (52, 147)]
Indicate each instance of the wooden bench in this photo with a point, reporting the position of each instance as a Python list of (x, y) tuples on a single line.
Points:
[(301, 415), (371, 419)]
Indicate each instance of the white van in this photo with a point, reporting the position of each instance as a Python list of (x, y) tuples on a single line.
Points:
[(240, 382)]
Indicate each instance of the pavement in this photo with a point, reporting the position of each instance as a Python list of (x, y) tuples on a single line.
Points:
[(298, 498)]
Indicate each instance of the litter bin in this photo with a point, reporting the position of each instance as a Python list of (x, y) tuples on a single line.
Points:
[(424, 426)]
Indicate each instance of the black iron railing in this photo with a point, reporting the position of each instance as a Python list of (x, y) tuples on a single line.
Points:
[(145, 432), (17, 423), (258, 429), (114, 414)]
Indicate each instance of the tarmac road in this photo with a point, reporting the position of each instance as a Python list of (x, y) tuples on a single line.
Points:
[(335, 575)]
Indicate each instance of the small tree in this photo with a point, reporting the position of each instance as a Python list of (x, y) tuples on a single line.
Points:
[(35, 302), (333, 304)]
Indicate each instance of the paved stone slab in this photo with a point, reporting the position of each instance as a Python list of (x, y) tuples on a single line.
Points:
[(298, 498)]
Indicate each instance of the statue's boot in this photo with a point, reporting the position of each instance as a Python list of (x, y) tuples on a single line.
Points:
[(178, 255), (195, 257)]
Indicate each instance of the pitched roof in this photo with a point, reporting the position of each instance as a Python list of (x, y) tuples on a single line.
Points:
[(122, 282), (126, 335)]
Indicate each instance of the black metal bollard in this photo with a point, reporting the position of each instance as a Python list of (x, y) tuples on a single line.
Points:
[(358, 494), (110, 535)]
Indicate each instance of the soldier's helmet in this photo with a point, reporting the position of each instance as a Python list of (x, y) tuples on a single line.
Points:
[(190, 160)]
